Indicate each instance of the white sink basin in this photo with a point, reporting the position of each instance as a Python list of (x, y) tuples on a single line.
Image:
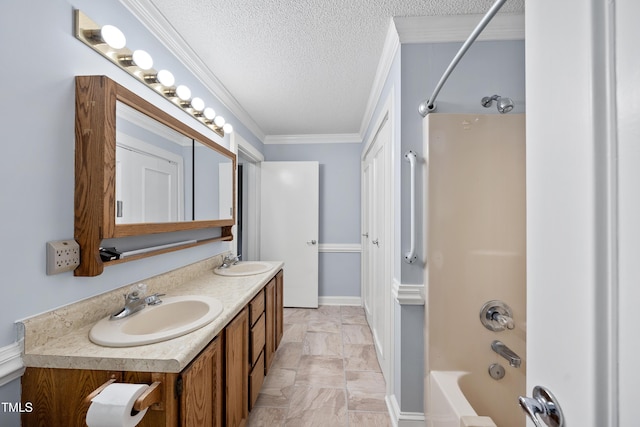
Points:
[(176, 316), (244, 268)]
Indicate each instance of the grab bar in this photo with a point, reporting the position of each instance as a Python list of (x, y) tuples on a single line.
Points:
[(410, 256)]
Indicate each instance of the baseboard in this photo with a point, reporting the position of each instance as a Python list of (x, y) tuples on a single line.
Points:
[(11, 365), (403, 419), (357, 301)]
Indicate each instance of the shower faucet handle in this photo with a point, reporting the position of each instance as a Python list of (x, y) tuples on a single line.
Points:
[(497, 316), (504, 320)]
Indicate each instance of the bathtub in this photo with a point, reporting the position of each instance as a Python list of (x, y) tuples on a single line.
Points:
[(447, 404)]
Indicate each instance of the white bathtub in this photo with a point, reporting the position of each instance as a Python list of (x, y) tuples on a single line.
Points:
[(447, 404)]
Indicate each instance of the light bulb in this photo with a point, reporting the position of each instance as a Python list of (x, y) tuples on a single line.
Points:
[(218, 121), (197, 104), (227, 128), (183, 92), (165, 78), (142, 59), (113, 37), (209, 113), (139, 58)]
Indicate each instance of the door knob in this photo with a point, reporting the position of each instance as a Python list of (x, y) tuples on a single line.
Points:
[(311, 242), (542, 406), (376, 242)]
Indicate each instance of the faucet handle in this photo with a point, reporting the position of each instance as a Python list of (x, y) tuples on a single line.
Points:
[(497, 316), (154, 299), (504, 320)]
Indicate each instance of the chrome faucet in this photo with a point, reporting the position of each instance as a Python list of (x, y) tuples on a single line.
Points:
[(135, 301), (229, 260), (504, 351)]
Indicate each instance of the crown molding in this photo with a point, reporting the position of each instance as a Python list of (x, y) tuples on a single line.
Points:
[(147, 13), (391, 46), (456, 28), (336, 138)]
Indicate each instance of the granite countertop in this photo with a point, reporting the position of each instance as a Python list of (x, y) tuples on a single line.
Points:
[(60, 338)]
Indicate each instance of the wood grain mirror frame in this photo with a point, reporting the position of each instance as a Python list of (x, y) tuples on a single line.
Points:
[(95, 164)]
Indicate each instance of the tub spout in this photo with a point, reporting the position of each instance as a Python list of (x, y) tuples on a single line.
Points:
[(504, 351)]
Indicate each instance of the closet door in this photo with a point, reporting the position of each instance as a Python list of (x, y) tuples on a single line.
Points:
[(377, 245)]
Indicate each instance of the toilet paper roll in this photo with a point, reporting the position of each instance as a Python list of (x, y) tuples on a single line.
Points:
[(113, 406)]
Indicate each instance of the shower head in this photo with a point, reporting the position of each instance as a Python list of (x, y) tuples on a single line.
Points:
[(504, 104)]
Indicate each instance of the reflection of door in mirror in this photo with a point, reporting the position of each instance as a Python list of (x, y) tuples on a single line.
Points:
[(151, 161), (152, 193)]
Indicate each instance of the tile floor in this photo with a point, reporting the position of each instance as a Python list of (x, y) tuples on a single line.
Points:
[(325, 373)]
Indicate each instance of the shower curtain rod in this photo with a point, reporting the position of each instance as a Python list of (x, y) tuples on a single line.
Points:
[(429, 105)]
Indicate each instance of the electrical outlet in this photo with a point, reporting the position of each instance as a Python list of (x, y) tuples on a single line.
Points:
[(63, 255)]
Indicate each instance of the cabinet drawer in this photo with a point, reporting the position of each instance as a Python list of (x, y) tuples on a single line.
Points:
[(256, 307), (255, 381), (257, 339)]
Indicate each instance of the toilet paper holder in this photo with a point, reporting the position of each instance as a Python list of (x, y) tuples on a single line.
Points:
[(151, 396)]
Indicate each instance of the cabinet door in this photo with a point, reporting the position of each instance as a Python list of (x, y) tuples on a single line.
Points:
[(201, 399), (279, 307), (237, 370), (270, 332)]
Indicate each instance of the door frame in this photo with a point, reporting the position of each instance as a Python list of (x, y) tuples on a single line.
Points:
[(385, 117), (242, 147)]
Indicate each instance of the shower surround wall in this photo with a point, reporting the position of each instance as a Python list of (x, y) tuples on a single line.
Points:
[(476, 247)]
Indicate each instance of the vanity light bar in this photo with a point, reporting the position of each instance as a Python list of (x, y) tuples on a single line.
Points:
[(110, 42)]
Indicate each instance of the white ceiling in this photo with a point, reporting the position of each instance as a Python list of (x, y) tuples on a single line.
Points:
[(297, 67)]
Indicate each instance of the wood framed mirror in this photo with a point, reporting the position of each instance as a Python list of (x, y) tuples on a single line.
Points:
[(96, 207)]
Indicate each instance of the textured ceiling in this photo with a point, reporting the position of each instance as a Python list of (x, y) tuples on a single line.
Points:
[(300, 67)]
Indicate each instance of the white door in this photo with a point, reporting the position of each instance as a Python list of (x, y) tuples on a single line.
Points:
[(376, 243), (367, 252), (289, 226), (581, 305)]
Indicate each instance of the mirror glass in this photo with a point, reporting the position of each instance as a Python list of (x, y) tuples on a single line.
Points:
[(165, 176)]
